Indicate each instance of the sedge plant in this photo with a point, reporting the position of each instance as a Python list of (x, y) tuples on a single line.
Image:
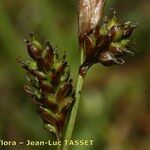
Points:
[(101, 40)]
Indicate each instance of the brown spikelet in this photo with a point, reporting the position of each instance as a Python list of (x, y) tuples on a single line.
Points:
[(51, 87), (107, 43)]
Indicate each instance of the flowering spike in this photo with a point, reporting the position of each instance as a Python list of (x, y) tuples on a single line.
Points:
[(52, 89), (107, 43)]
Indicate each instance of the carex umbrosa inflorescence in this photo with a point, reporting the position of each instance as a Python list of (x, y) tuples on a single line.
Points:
[(51, 86), (107, 43)]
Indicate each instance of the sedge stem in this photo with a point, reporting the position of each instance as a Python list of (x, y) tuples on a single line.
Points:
[(73, 113)]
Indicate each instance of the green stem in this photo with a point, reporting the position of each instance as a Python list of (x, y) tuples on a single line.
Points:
[(73, 113)]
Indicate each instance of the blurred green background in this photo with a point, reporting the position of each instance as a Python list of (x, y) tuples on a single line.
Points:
[(115, 107)]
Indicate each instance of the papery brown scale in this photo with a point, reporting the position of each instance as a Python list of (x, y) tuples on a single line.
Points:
[(102, 43), (127, 32), (69, 90), (46, 116), (35, 73), (40, 64), (107, 58), (83, 69), (60, 121), (112, 33), (59, 66), (38, 75), (55, 78), (62, 68), (50, 105), (33, 51), (49, 56), (46, 88), (89, 45), (97, 31), (66, 102), (64, 90)]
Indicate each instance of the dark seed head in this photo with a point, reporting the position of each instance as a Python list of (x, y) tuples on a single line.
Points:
[(107, 43)]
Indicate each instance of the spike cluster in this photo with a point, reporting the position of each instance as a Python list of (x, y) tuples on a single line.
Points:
[(107, 43), (51, 87)]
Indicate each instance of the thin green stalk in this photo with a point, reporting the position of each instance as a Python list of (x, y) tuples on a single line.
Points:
[(73, 113)]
